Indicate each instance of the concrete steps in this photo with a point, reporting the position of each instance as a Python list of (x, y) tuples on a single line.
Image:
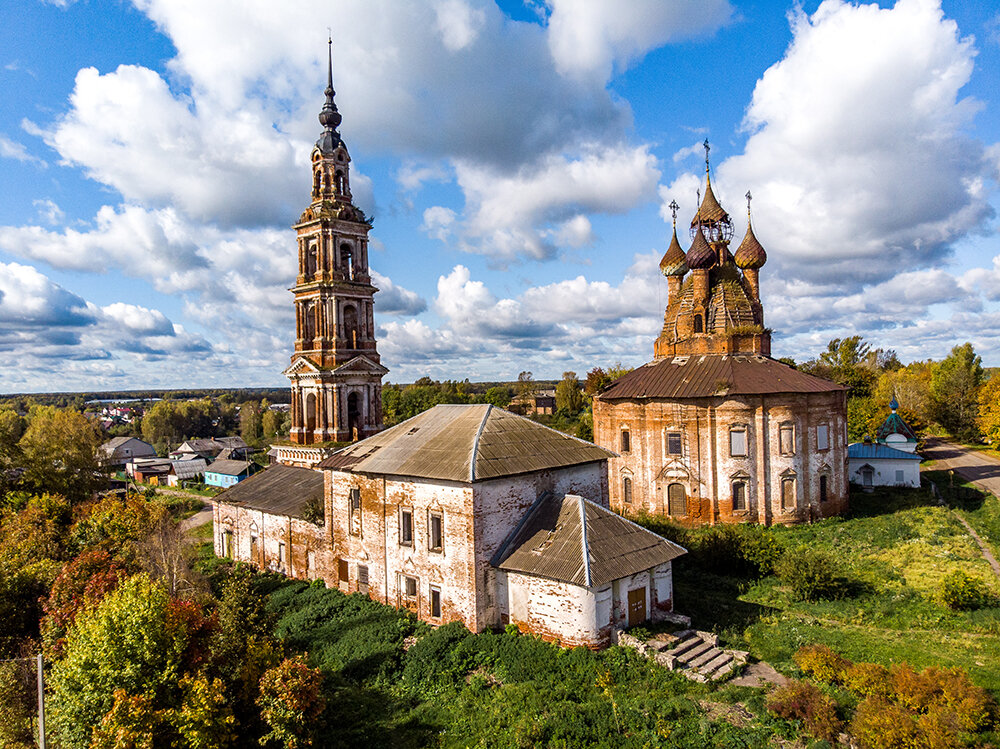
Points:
[(694, 654)]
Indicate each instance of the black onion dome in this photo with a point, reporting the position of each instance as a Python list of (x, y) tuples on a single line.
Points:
[(674, 262), (700, 254), (750, 253)]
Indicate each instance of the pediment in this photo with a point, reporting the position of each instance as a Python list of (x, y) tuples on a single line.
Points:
[(301, 365), (673, 469), (361, 365)]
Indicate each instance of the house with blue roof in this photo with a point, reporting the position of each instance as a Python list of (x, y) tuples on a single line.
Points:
[(871, 464)]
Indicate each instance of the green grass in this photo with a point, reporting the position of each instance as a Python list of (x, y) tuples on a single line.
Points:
[(895, 546)]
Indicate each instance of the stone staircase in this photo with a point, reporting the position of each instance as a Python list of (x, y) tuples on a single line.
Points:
[(692, 653)]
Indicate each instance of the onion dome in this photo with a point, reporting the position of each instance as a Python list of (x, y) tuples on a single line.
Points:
[(700, 254), (750, 253), (674, 262), (329, 117), (709, 211)]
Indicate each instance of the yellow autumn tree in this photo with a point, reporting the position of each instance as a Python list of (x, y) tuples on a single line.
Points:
[(989, 411)]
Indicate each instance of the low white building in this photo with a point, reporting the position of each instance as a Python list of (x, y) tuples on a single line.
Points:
[(870, 465)]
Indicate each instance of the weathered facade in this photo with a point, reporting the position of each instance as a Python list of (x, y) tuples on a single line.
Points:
[(713, 429), (422, 515), (335, 372)]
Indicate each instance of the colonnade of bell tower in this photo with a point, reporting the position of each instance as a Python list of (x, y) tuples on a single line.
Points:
[(335, 373)]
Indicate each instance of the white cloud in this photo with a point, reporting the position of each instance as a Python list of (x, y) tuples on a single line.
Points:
[(395, 300), (438, 222), (10, 149), (458, 23), (598, 37), (48, 211)]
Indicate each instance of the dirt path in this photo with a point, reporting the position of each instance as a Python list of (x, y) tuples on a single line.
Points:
[(980, 469)]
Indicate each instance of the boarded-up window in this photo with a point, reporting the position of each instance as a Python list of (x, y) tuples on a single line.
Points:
[(676, 499), (627, 490), (281, 554), (311, 564), (343, 570), (673, 443), (739, 495), (787, 439), (823, 489), (253, 548), (899, 477), (406, 527), (698, 327), (435, 536), (435, 602), (822, 437), (788, 493), (227, 544), (738, 443), (362, 578), (354, 521), (626, 441)]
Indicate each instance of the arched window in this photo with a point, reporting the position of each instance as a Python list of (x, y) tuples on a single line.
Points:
[(310, 413), (353, 415), (698, 327), (824, 490), (347, 261), (676, 500), (339, 177), (788, 493), (739, 495), (627, 490), (351, 330), (310, 269), (308, 323), (317, 182)]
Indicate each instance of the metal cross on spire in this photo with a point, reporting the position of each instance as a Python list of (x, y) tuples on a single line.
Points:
[(707, 149), (673, 210), (749, 197)]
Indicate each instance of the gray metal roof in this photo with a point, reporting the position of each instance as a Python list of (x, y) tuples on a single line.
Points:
[(185, 469), (705, 375), (465, 443), (571, 539), (229, 467), (277, 490)]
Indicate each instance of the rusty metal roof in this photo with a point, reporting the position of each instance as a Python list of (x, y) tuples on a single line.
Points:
[(750, 253), (277, 490), (709, 211), (674, 261), (571, 539), (700, 376), (464, 443)]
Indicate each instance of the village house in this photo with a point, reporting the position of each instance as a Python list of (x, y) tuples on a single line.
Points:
[(464, 513), (228, 472), (891, 460), (714, 430), (119, 451), (210, 447)]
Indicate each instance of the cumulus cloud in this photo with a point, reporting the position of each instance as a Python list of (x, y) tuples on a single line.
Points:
[(48, 211), (10, 149), (858, 155), (599, 37), (395, 300)]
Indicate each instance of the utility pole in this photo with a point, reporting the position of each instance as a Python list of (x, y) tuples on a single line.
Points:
[(41, 704)]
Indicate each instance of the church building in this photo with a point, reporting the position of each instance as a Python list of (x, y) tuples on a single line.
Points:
[(335, 372), (713, 429)]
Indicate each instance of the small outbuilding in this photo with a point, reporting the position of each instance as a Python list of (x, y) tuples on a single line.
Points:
[(870, 465)]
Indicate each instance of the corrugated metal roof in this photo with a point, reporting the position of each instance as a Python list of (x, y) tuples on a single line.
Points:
[(875, 451), (185, 469), (229, 467), (464, 443), (277, 490), (699, 376), (571, 539)]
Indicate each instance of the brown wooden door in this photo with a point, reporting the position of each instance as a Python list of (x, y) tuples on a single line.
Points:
[(636, 607)]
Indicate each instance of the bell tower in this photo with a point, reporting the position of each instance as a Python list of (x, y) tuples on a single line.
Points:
[(335, 372)]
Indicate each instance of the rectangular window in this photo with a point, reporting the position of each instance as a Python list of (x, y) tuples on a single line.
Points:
[(738, 443), (435, 536), (739, 495), (435, 602), (311, 564), (788, 494), (823, 481), (822, 437), (362, 578), (406, 527), (787, 439), (626, 441), (673, 443), (627, 490), (281, 554), (408, 589), (354, 520), (343, 570), (899, 477)]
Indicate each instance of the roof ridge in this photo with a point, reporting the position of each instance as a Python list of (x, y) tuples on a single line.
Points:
[(584, 547), (637, 526), (475, 443)]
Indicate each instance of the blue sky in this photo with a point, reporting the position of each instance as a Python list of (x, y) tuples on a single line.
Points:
[(517, 158)]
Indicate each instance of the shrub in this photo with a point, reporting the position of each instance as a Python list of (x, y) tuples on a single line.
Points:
[(811, 574), (878, 724), (800, 700), (867, 680), (291, 701), (963, 592), (822, 663)]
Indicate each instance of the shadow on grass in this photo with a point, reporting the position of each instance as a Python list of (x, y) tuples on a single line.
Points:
[(955, 491), (713, 602), (887, 500)]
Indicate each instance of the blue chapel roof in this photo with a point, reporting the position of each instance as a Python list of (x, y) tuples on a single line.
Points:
[(869, 451)]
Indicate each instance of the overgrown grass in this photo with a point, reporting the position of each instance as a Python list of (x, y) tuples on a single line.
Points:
[(895, 547)]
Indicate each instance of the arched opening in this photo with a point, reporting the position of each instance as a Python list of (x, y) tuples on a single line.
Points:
[(353, 416), (347, 261), (698, 326), (341, 184), (310, 269), (351, 330), (676, 500), (317, 182), (308, 323), (627, 490), (310, 425)]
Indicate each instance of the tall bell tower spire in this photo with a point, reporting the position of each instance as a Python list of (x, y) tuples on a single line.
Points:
[(335, 372)]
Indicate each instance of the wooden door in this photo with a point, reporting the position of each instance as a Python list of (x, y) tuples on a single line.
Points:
[(636, 607)]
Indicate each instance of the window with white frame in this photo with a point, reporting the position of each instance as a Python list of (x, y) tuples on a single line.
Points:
[(435, 602), (822, 437), (405, 526), (738, 442), (674, 443), (435, 532)]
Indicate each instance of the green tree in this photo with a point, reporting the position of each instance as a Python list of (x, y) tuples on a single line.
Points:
[(250, 422), (60, 453), (292, 702), (569, 394), (526, 386), (955, 391), (864, 416), (911, 387), (988, 419), (498, 395), (130, 641), (271, 423)]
